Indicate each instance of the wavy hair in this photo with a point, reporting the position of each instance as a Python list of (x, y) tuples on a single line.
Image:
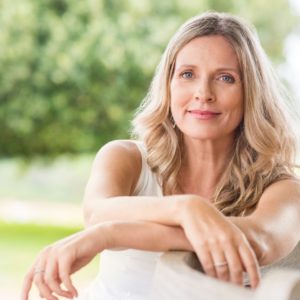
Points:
[(265, 146)]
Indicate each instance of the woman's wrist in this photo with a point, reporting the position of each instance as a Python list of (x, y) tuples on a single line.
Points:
[(184, 206), (103, 236)]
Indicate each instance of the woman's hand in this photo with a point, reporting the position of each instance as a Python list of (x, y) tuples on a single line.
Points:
[(221, 247), (55, 264)]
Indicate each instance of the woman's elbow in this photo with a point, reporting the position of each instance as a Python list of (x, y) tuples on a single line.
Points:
[(88, 217), (276, 249)]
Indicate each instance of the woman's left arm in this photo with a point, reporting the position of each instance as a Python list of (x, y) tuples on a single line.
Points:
[(273, 228)]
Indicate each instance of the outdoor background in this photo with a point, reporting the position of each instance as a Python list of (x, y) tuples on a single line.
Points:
[(72, 74)]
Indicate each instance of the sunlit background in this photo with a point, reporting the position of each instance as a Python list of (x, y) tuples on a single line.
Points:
[(72, 73)]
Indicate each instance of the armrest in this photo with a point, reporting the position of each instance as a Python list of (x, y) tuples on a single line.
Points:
[(279, 284), (179, 275)]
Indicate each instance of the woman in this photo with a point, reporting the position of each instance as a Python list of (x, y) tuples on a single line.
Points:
[(211, 172)]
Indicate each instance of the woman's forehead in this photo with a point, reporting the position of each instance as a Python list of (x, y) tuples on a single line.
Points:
[(212, 50)]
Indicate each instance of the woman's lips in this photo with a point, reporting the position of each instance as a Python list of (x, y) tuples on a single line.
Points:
[(203, 114)]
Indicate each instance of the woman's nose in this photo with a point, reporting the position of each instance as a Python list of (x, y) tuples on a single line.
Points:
[(204, 91)]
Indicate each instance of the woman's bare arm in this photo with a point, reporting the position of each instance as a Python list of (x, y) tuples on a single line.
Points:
[(214, 238), (58, 261), (108, 195), (270, 229), (274, 225)]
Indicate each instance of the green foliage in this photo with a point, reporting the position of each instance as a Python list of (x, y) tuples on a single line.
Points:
[(40, 235), (20, 245), (72, 72), (30, 239)]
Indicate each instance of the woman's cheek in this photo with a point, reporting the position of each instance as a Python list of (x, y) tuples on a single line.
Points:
[(181, 94)]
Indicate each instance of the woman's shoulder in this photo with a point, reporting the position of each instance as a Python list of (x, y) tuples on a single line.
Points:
[(127, 149), (121, 154), (283, 187)]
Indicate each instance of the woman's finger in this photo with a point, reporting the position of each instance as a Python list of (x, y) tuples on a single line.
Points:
[(52, 279), (204, 256), (235, 264), (64, 268), (38, 272), (250, 263), (27, 283), (29, 277), (43, 288), (220, 262)]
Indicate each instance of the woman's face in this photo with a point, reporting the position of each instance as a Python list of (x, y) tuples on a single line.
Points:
[(206, 89)]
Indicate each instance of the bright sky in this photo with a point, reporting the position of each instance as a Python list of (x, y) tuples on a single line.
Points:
[(292, 52), (292, 64), (291, 67), (296, 4)]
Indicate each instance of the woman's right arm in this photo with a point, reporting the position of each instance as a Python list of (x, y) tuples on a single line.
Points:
[(108, 194), (57, 262)]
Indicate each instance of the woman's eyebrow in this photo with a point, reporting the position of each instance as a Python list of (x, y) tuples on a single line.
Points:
[(222, 68), (185, 66), (236, 70)]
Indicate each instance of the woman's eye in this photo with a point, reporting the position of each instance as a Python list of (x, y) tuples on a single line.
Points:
[(186, 74), (227, 78)]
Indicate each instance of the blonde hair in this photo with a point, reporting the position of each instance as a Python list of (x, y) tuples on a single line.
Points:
[(265, 146)]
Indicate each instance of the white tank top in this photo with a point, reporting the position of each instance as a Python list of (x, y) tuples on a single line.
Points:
[(128, 274)]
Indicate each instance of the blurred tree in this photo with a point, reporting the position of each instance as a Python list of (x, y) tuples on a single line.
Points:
[(72, 72)]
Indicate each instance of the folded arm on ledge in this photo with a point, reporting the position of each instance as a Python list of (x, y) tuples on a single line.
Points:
[(269, 229)]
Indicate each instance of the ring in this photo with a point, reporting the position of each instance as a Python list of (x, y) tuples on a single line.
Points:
[(221, 264), (37, 271)]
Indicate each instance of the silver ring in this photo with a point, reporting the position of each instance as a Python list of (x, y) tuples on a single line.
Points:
[(222, 264), (37, 271)]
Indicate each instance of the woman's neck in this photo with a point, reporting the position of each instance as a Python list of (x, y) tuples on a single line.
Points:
[(203, 165)]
